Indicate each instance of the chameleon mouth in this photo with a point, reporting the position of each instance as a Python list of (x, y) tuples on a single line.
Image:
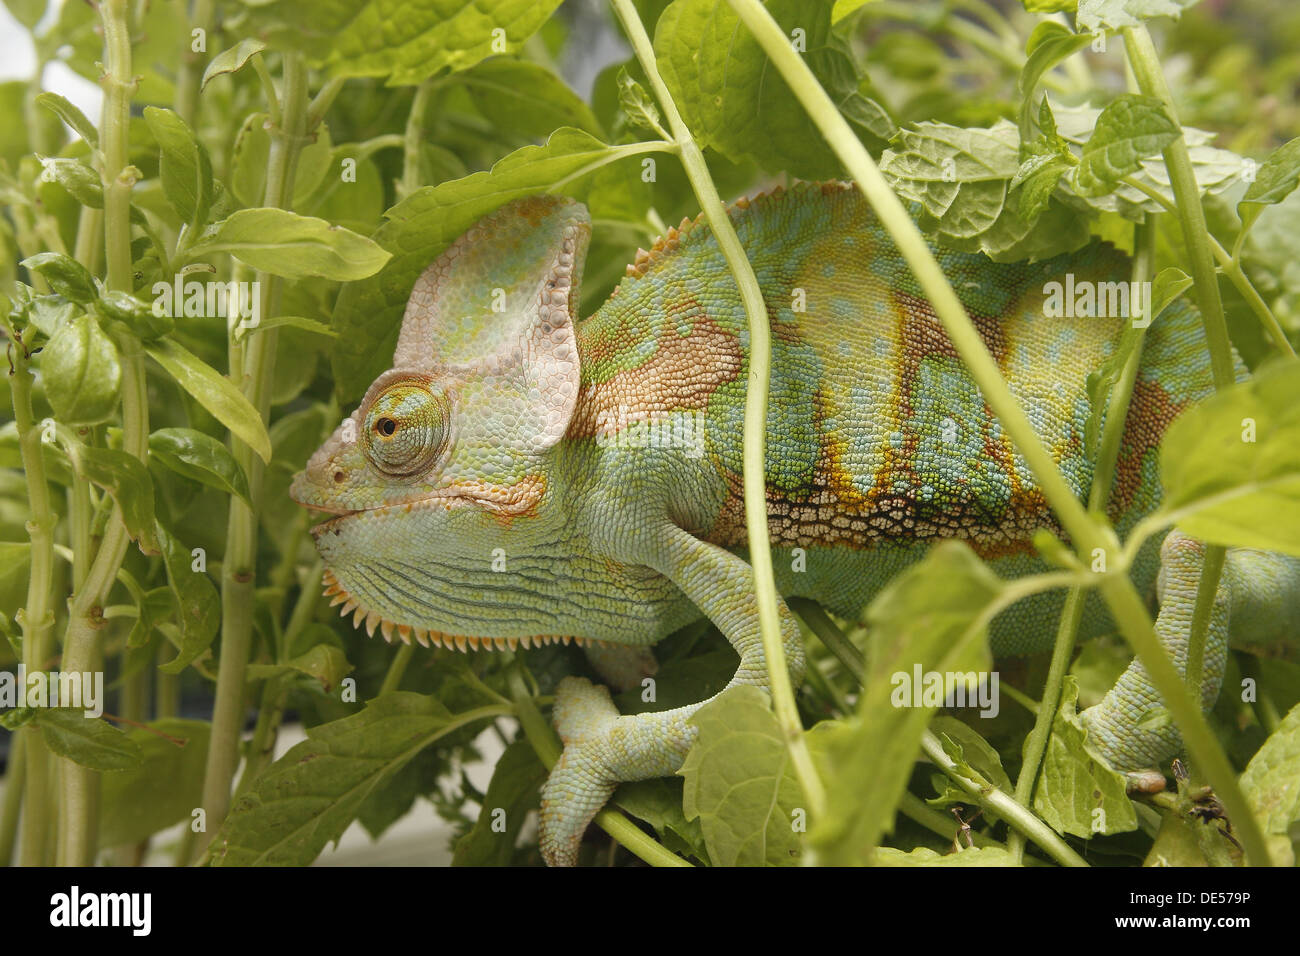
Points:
[(429, 637)]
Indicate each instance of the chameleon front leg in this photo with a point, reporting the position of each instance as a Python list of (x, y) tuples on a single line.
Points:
[(1255, 605), (603, 749)]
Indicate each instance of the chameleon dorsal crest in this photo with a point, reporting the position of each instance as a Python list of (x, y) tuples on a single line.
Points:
[(502, 300)]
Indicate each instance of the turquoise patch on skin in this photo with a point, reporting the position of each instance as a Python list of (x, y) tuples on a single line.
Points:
[(948, 405)]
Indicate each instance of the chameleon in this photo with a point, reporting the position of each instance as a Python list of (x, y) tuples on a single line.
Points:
[(522, 476)]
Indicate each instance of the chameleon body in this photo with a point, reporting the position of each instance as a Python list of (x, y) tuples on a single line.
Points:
[(519, 475)]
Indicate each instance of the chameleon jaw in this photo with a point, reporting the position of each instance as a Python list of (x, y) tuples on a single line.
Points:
[(428, 637)]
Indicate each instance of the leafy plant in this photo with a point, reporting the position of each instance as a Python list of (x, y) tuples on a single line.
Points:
[(195, 286)]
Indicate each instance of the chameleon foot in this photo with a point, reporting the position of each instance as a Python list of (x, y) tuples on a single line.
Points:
[(580, 782)]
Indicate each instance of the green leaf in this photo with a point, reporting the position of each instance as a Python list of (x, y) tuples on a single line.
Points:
[(125, 478), (1276, 178), (185, 168), (1230, 466), (659, 803), (960, 176), (292, 321), (1076, 792), (214, 392), (1271, 784), (974, 757), (71, 115), (1115, 14), (198, 606), (232, 60), (1167, 286), (309, 796), (1037, 177), (396, 39), (87, 741), (137, 316), (1130, 128), (82, 372), (514, 790), (1048, 45), (248, 160), (324, 662), (934, 616), (368, 313), (1216, 169), (525, 98), (295, 247), (163, 789), (201, 458), (740, 785), (1050, 6), (49, 313), (636, 103), (81, 182), (66, 276), (923, 856), (735, 101)]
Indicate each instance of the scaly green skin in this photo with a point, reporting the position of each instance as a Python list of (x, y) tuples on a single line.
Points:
[(518, 474)]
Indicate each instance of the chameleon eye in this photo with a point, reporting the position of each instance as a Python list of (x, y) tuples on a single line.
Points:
[(406, 429)]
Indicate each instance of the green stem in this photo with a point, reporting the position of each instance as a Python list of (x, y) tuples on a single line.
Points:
[(1086, 534), (239, 566), (38, 616), (760, 366), (397, 668), (1112, 437), (1230, 266), (414, 139), (190, 75), (918, 811), (79, 807), (829, 633), (1141, 53), (991, 798), (1182, 179)]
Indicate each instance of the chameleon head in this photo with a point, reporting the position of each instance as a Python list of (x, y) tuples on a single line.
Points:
[(436, 481)]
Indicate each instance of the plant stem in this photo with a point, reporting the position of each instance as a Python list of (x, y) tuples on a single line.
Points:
[(1141, 53), (1017, 816), (414, 139), (1182, 179), (547, 747), (1086, 534), (760, 367), (239, 566), (397, 668), (1112, 437), (37, 616), (190, 74)]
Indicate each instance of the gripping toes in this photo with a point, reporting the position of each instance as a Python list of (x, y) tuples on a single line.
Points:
[(580, 782)]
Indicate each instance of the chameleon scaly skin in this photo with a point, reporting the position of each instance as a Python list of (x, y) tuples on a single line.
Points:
[(518, 475)]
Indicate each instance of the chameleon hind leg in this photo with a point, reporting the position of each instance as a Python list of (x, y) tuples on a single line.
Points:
[(603, 749), (1255, 606)]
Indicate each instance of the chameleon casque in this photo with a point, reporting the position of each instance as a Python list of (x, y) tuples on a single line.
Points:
[(524, 434)]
